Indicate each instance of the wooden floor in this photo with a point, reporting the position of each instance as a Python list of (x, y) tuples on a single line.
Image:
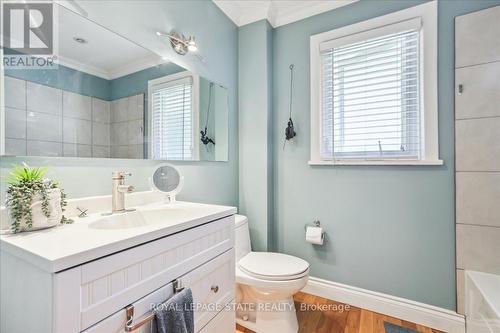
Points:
[(353, 320)]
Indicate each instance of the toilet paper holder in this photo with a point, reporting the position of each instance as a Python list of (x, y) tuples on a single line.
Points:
[(316, 223)]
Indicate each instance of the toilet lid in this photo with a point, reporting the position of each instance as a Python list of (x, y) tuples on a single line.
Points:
[(273, 266)]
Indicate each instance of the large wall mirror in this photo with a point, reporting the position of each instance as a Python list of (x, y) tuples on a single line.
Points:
[(111, 98)]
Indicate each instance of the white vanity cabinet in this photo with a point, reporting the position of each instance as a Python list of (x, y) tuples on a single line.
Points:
[(93, 297)]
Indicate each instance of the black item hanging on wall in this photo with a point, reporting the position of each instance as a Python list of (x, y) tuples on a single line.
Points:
[(290, 129), (204, 137)]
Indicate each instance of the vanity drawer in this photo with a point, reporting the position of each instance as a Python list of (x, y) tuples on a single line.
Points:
[(212, 308), (213, 287), (224, 322), (103, 287)]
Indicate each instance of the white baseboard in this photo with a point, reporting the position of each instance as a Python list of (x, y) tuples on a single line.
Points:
[(419, 313)]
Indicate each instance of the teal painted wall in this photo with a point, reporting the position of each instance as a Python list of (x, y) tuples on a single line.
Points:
[(213, 182), (79, 82), (66, 78), (137, 83), (389, 229), (255, 158)]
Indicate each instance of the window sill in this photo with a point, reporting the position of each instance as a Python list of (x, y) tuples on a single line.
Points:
[(378, 162)]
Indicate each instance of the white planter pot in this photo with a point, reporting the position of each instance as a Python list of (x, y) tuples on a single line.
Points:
[(40, 221)]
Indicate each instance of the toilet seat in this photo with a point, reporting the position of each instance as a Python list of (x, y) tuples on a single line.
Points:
[(273, 266)]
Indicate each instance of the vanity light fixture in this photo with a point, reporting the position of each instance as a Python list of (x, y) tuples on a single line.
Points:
[(180, 43)]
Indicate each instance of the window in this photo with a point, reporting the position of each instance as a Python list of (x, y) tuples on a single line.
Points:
[(373, 88), (172, 117)]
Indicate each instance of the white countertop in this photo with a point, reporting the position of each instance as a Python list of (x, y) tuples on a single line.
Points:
[(66, 246)]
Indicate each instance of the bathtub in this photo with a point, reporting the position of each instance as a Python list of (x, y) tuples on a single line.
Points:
[(482, 302)]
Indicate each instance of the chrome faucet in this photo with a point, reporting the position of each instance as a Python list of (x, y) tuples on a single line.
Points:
[(119, 190)]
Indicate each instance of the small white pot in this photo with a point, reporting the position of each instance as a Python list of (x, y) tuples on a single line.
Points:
[(40, 221)]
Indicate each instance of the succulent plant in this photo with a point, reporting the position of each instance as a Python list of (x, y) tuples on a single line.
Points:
[(24, 182)]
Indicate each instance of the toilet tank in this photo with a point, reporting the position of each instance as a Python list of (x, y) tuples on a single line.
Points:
[(242, 237)]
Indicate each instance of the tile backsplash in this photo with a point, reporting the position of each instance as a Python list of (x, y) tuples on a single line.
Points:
[(45, 121)]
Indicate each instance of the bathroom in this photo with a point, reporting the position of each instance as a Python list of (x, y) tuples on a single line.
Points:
[(206, 155)]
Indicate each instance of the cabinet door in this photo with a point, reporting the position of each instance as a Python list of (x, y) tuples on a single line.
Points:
[(212, 285), (213, 288), (224, 322), (116, 322)]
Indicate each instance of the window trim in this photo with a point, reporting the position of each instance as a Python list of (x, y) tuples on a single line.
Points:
[(195, 109), (427, 13)]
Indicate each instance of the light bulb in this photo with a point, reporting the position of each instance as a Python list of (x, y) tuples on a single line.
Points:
[(191, 44)]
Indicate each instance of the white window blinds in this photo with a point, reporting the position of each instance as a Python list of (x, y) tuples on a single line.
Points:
[(172, 122), (370, 95)]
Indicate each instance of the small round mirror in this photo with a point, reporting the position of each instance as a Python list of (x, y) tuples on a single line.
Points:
[(167, 179)]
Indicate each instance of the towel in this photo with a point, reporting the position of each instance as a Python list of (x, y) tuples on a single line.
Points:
[(176, 314)]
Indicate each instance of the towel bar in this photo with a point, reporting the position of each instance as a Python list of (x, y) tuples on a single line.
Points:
[(131, 326)]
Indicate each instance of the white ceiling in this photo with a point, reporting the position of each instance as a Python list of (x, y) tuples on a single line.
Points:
[(106, 54), (277, 12)]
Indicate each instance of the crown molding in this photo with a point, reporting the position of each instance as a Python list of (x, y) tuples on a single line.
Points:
[(115, 73), (277, 12)]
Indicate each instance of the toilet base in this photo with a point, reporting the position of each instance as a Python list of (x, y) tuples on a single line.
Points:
[(278, 316), (266, 316)]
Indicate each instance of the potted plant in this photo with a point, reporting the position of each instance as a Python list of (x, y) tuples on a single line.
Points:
[(34, 202)]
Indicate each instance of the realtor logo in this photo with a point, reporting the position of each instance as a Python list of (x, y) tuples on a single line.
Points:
[(28, 34), (28, 28)]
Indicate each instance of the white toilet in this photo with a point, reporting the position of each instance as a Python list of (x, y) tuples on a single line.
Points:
[(265, 285)]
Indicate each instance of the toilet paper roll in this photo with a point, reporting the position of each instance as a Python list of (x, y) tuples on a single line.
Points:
[(314, 235)]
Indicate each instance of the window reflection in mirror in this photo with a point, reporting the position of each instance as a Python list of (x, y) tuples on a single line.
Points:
[(95, 103), (188, 118)]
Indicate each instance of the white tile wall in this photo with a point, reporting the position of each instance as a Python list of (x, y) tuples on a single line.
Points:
[(119, 151), (478, 248), (101, 110), (101, 151), (478, 144), (44, 127), (101, 134), (127, 127), (480, 96), (136, 151), (77, 106), (136, 107), (476, 37), (15, 93), (76, 150), (43, 99), (460, 291), (16, 120), (15, 147), (135, 132), (119, 133), (44, 148), (478, 198), (77, 131), (45, 121), (119, 110)]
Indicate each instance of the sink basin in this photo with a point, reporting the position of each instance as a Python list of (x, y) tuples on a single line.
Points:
[(140, 218)]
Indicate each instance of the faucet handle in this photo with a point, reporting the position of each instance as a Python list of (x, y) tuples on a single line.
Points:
[(121, 174), (83, 212), (125, 188)]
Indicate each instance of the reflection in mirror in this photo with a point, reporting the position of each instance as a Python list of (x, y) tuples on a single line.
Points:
[(188, 118), (96, 103)]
